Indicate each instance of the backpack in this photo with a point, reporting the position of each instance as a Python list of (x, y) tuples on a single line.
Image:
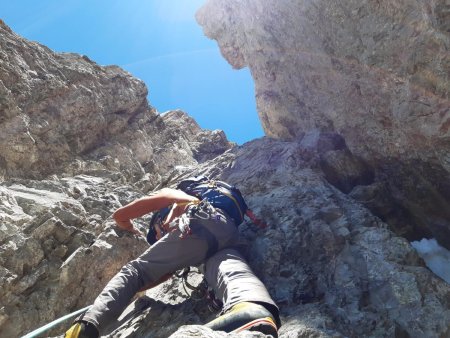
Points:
[(219, 194)]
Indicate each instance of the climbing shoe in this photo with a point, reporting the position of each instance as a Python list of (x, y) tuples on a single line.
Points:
[(246, 316), (82, 329)]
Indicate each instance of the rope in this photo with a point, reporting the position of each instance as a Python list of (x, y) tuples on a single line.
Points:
[(47, 327)]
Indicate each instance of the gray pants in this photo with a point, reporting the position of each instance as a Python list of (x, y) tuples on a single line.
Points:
[(234, 282), (212, 231)]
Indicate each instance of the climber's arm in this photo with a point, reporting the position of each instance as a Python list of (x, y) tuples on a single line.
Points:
[(138, 208)]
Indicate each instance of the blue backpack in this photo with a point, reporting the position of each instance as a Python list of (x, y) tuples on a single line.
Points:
[(219, 194)]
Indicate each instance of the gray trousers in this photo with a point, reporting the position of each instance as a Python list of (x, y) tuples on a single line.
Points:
[(234, 282), (212, 231)]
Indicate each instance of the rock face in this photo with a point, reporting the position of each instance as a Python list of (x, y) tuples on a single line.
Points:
[(376, 73), (55, 108), (78, 140), (52, 108)]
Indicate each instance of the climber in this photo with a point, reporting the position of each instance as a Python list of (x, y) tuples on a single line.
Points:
[(193, 232)]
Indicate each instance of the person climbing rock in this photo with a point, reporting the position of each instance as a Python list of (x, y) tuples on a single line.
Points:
[(192, 225)]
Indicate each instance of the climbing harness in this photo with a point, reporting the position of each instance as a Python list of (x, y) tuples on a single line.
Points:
[(156, 223)]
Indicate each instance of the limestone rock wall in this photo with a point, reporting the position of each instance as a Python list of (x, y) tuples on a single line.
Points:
[(375, 72), (58, 108)]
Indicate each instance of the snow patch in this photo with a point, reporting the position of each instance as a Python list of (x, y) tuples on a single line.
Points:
[(435, 256)]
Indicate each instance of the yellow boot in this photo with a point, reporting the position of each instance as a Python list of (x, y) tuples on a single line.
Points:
[(82, 329), (246, 316)]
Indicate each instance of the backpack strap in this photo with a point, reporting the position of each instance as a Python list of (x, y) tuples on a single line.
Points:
[(238, 206)]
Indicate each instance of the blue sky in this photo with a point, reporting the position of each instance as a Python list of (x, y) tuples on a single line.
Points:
[(158, 41)]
